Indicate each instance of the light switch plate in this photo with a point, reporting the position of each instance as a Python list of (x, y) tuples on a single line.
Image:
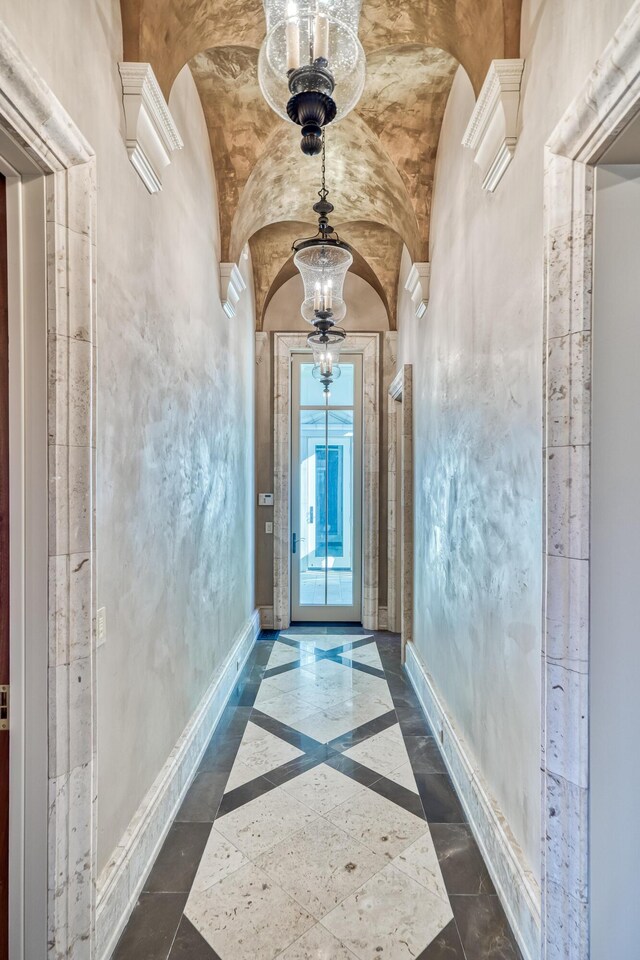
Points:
[(101, 626), (268, 527), (265, 499)]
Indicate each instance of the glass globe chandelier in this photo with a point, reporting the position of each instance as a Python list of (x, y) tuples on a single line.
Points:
[(311, 67), (323, 261), (326, 356)]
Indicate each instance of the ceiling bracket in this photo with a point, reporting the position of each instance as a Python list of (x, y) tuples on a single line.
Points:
[(151, 134), (417, 286), (232, 286), (492, 131)]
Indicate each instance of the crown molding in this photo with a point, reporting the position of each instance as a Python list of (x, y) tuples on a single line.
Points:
[(232, 286), (492, 131), (417, 286), (151, 134)]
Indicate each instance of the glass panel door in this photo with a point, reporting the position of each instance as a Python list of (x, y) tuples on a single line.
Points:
[(326, 495)]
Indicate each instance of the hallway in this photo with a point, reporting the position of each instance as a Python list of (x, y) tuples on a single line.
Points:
[(321, 823), (316, 314)]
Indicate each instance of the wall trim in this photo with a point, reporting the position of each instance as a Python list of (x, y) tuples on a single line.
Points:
[(33, 117), (608, 101), (121, 881), (151, 134), (492, 131), (266, 618), (285, 344), (400, 504), (514, 882)]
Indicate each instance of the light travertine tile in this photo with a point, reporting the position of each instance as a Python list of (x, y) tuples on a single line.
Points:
[(390, 916), (379, 823), (322, 788), (317, 944), (265, 821), (247, 916), (320, 865)]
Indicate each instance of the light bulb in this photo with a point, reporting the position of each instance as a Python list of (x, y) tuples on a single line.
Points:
[(292, 37)]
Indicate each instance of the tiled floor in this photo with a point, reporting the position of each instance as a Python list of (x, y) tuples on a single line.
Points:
[(321, 825)]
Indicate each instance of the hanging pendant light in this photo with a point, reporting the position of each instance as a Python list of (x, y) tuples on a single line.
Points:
[(311, 67), (326, 356), (323, 261)]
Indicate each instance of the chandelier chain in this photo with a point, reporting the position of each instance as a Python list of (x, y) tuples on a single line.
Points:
[(323, 192)]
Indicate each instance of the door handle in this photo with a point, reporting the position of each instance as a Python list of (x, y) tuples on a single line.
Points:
[(294, 541)]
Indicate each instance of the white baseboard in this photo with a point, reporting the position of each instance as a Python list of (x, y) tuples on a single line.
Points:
[(266, 618), (121, 881), (514, 882)]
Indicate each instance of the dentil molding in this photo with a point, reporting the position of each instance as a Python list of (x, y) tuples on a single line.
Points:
[(151, 134), (232, 287), (417, 286), (493, 128)]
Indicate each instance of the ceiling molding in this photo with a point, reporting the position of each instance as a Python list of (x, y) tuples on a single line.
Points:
[(232, 286), (151, 134), (492, 131), (417, 286)]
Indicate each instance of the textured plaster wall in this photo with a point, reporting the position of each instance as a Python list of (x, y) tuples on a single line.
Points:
[(478, 419), (175, 413)]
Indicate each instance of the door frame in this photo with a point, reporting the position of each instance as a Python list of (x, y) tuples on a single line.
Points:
[(333, 611), (286, 344), (54, 443), (400, 511), (608, 101)]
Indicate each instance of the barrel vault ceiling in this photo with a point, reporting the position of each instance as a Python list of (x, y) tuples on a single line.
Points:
[(380, 158)]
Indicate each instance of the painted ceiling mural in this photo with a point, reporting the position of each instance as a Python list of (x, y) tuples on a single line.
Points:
[(380, 158)]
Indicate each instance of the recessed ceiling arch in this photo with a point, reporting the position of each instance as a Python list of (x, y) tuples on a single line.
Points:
[(472, 32), (376, 253), (381, 158), (364, 184), (168, 33)]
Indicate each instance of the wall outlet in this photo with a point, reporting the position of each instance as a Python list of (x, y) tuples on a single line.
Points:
[(101, 626), (268, 527)]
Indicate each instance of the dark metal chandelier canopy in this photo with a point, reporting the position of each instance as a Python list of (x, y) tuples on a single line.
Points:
[(311, 105)]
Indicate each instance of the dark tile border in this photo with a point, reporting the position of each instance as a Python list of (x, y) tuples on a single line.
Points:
[(152, 927)]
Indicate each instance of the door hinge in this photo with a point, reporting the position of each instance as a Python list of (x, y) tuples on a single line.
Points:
[(4, 706)]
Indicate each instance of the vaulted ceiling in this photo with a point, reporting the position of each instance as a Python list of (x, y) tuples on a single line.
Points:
[(380, 158)]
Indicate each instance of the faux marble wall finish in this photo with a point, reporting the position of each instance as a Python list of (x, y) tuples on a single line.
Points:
[(175, 414), (478, 444), (175, 498)]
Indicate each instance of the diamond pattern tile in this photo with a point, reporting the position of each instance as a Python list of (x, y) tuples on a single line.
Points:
[(321, 849)]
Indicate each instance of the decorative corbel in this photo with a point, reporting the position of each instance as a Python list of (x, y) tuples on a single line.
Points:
[(151, 135), (493, 128), (417, 286), (232, 286)]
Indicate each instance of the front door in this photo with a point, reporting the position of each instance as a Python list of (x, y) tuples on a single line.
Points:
[(326, 494)]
